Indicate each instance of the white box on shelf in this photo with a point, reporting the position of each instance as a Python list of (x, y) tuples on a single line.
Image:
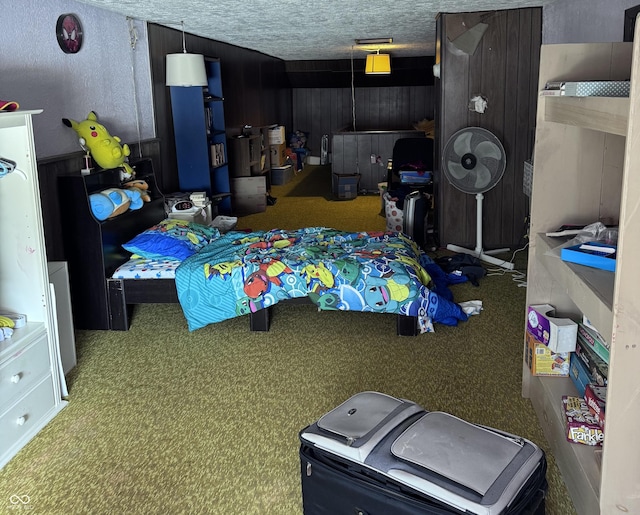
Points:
[(559, 334)]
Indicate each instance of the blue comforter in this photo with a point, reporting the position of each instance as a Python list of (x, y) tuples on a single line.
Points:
[(381, 272)]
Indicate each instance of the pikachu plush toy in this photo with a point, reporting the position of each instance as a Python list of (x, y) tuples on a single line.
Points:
[(105, 149)]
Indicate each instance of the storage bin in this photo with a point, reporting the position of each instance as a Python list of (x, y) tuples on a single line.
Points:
[(393, 214), (345, 187), (281, 175)]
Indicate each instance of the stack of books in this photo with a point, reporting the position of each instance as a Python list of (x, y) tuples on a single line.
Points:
[(217, 154)]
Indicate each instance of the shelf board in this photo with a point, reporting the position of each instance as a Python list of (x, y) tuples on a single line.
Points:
[(605, 114), (591, 289), (579, 464)]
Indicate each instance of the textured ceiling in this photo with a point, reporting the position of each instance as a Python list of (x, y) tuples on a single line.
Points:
[(298, 30)]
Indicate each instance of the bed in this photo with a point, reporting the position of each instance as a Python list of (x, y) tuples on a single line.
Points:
[(238, 274), (378, 272)]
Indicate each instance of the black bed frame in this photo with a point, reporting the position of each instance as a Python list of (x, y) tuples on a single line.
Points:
[(93, 250)]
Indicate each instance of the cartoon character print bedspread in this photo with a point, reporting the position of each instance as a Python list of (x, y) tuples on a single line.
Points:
[(241, 273)]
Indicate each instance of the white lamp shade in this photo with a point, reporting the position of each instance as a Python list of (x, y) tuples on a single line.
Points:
[(378, 64), (186, 70)]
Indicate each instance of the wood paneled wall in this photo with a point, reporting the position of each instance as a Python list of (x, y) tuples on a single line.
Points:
[(321, 111), (255, 88), (504, 69)]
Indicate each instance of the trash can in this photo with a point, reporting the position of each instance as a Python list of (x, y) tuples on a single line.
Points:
[(393, 215)]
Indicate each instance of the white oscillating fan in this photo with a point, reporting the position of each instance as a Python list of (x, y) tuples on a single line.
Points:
[(473, 162)]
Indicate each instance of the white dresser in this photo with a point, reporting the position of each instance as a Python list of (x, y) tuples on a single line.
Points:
[(30, 371)]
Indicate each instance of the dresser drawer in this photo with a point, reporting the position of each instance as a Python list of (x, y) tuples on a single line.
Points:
[(21, 419), (22, 371)]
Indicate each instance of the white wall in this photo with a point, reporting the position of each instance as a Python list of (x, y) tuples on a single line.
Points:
[(36, 73), (584, 21)]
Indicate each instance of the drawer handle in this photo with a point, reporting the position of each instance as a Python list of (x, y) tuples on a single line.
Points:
[(21, 420), (16, 378)]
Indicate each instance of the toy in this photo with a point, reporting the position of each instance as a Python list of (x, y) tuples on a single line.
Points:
[(105, 149), (113, 202), (140, 186)]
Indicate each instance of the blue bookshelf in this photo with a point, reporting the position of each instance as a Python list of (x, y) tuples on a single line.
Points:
[(200, 137)]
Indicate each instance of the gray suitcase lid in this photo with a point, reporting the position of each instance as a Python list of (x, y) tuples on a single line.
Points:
[(359, 415), (458, 450)]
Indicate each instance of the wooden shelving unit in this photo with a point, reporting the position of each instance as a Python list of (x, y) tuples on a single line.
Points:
[(249, 154), (587, 168), (244, 156), (199, 126)]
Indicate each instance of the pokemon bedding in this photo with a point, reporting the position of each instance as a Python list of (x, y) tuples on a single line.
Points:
[(242, 272)]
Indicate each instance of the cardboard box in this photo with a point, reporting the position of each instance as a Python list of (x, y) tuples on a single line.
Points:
[(249, 204), (579, 374), (559, 334), (596, 398), (595, 341), (542, 361), (278, 154), (581, 426), (281, 174), (249, 195), (597, 368), (586, 322), (346, 186), (276, 135), (245, 186)]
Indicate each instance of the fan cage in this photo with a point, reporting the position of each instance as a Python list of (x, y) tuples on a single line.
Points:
[(467, 181)]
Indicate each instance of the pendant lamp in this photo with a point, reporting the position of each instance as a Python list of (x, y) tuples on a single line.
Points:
[(185, 69), (378, 64)]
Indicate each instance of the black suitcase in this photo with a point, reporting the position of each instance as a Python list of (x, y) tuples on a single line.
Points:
[(414, 213), (376, 454)]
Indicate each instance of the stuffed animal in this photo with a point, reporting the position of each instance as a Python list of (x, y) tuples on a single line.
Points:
[(140, 186), (113, 202), (105, 149)]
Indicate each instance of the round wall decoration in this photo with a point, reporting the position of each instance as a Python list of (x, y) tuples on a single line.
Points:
[(69, 33)]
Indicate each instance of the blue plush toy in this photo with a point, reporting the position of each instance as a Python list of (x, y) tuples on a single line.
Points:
[(114, 201)]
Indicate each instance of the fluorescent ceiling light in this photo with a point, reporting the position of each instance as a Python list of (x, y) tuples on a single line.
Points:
[(374, 41)]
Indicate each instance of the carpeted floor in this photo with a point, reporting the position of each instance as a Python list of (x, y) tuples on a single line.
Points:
[(161, 420)]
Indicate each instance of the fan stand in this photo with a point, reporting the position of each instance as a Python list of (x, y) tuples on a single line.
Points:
[(478, 252)]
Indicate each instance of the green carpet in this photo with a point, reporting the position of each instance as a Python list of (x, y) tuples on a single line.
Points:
[(307, 201), (165, 421)]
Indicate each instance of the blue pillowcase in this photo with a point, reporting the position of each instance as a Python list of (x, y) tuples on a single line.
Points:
[(173, 239)]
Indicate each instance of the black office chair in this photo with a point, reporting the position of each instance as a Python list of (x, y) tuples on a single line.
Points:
[(415, 155), (408, 154)]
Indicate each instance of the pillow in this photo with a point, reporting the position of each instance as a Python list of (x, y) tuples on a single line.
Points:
[(172, 238)]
